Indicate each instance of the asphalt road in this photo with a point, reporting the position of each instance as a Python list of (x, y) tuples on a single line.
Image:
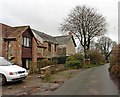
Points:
[(93, 81)]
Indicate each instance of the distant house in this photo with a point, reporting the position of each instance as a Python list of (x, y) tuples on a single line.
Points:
[(49, 43), (66, 45), (17, 44), (55, 46)]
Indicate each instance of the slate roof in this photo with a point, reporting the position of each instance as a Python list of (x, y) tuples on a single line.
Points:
[(45, 37), (14, 32), (62, 40)]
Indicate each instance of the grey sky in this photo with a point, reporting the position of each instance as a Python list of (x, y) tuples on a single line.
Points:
[(46, 15)]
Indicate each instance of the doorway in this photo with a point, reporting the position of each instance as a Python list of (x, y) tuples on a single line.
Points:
[(26, 63)]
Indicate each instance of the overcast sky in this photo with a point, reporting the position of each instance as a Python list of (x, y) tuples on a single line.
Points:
[(46, 15)]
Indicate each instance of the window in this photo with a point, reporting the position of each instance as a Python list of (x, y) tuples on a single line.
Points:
[(26, 42), (49, 47)]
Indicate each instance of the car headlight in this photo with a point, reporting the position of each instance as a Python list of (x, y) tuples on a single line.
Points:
[(11, 73)]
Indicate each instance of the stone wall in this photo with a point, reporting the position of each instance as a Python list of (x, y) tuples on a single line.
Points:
[(70, 48), (12, 51), (47, 53)]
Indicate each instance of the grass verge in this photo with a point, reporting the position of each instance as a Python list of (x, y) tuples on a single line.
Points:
[(91, 65)]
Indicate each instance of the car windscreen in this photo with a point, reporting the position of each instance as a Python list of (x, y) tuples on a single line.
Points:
[(4, 62)]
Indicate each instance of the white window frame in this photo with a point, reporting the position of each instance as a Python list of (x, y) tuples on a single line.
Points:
[(28, 42), (25, 41)]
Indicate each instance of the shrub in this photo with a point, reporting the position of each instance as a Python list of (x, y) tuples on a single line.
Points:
[(47, 77), (33, 68), (78, 56), (60, 60), (71, 58), (74, 61), (115, 61), (115, 70), (73, 64), (96, 57)]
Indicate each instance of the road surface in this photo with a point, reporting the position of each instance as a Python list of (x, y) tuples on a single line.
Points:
[(93, 81)]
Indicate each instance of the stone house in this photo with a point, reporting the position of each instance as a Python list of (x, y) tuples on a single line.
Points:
[(22, 45), (49, 43), (55, 46), (66, 45)]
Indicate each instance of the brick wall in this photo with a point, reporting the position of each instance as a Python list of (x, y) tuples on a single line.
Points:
[(4, 30), (18, 55), (34, 50), (0, 39)]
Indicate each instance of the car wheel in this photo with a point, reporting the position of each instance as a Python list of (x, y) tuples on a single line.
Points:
[(2, 79)]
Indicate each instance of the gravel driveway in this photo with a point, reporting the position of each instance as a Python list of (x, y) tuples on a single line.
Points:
[(33, 85)]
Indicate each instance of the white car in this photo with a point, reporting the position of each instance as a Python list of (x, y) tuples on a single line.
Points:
[(10, 72)]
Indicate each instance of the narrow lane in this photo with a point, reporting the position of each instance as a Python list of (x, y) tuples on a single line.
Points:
[(93, 81)]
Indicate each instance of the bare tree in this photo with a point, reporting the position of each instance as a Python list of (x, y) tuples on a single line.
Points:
[(85, 23), (105, 45)]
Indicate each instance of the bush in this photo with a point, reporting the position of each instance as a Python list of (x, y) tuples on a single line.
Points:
[(60, 60), (47, 77), (71, 58), (78, 56), (115, 70), (73, 64), (115, 61), (33, 68), (74, 61), (96, 57)]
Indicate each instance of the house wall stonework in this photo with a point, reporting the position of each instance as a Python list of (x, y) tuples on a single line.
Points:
[(12, 51), (70, 48), (4, 30), (55, 48), (40, 52), (47, 53), (51, 53), (61, 51)]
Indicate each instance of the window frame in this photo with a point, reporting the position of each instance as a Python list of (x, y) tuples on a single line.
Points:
[(26, 42)]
